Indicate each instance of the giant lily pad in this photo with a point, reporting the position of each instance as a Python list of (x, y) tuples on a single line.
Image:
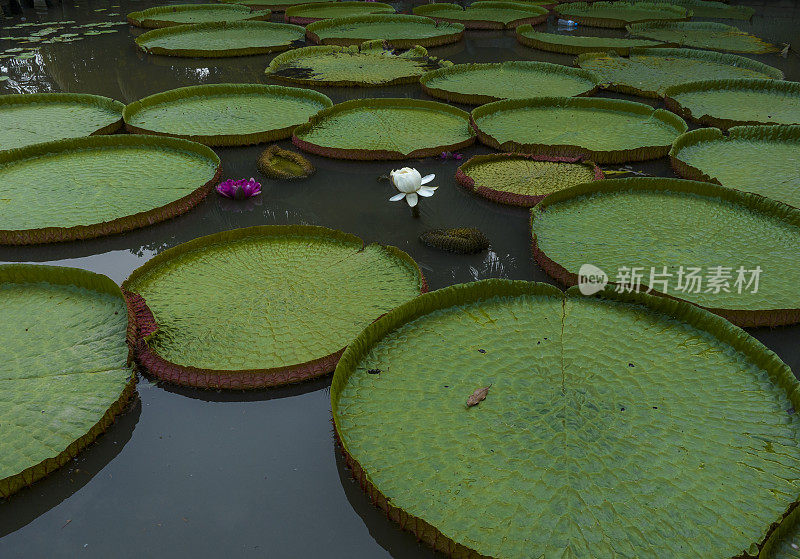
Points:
[(613, 426), (726, 103), (710, 8), (577, 44), (483, 83), (304, 14), (225, 114), (182, 14), (370, 64), (400, 31), (524, 179), (648, 72), (486, 14), (672, 227), (262, 306), (385, 129), (606, 130), (702, 35), (65, 373), (621, 13), (273, 5), (32, 118), (217, 39), (100, 185), (760, 159)]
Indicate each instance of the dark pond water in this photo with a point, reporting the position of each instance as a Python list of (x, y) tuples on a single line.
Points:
[(190, 473)]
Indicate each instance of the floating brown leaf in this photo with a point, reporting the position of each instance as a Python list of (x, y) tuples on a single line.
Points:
[(478, 396)]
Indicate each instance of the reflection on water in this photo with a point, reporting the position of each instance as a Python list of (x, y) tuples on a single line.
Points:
[(207, 474), (31, 502)]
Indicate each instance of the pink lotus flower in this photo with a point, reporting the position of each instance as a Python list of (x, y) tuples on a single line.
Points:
[(451, 155), (239, 190)]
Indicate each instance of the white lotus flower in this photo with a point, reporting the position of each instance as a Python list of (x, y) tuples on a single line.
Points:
[(410, 184)]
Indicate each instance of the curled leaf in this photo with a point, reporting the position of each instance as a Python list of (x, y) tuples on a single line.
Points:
[(478, 396), (277, 163), (461, 240)]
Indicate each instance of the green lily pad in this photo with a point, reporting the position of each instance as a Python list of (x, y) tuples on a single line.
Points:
[(524, 180), (621, 13), (712, 9), (65, 372), (182, 14), (304, 14), (674, 225), (703, 35), (605, 130), (225, 114), (486, 14), (477, 84), (263, 306), (385, 129), (371, 64), (606, 415), (31, 118), (100, 186), (726, 103), (273, 5), (743, 159), (400, 31), (217, 39), (648, 72), (577, 44)]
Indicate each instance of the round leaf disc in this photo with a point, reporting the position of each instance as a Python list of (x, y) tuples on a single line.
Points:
[(483, 83), (371, 64), (609, 426), (304, 14), (274, 5), (524, 180), (714, 9), (100, 186), (648, 72), (31, 118), (620, 14), (263, 306), (65, 373), (225, 114), (182, 14), (385, 129), (400, 31), (608, 130), (672, 226), (702, 35), (217, 39), (486, 14), (726, 103), (577, 44), (743, 159)]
